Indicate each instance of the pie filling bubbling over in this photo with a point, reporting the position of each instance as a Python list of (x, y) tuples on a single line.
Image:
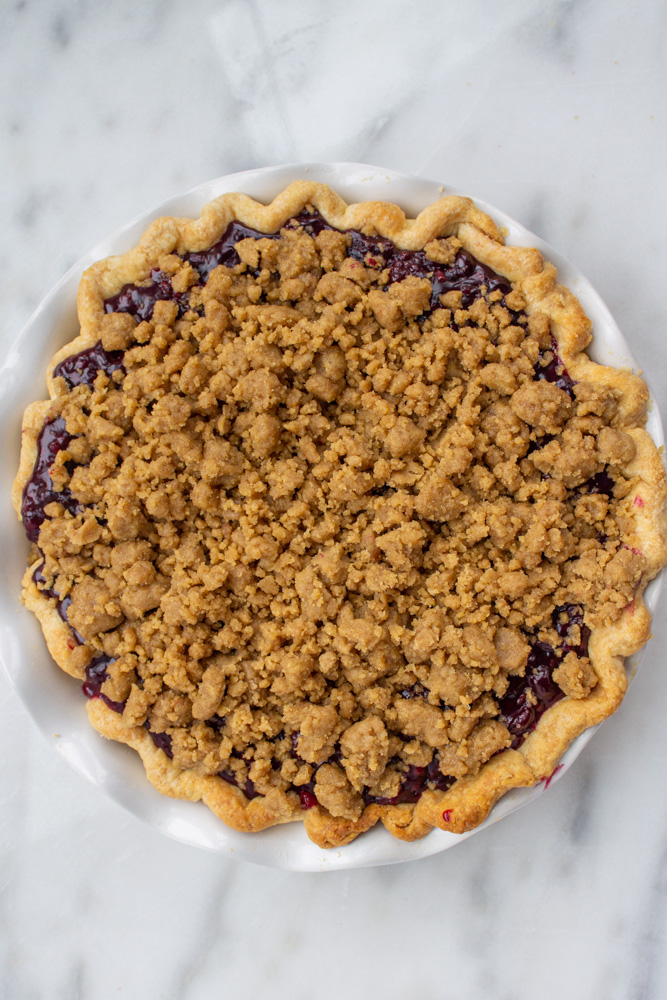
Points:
[(529, 691)]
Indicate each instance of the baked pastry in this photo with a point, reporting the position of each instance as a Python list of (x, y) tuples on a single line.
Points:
[(333, 517)]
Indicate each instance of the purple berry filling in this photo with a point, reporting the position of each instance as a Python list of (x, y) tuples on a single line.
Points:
[(527, 698), (216, 722), (78, 369), (39, 580), (599, 483), (555, 371), (465, 274), (307, 797), (96, 674), (416, 691), (564, 618), (415, 782), (39, 491), (62, 607), (139, 300), (248, 788), (84, 367), (224, 251), (162, 741)]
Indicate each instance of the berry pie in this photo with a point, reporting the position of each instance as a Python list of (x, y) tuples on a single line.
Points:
[(333, 519)]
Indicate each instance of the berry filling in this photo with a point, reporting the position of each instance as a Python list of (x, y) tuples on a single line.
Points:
[(564, 618), (416, 691), (84, 367), (39, 580), (464, 274), (527, 698), (96, 674), (248, 787), (161, 740), (39, 491), (415, 782), (600, 483), (78, 369), (139, 300), (224, 251), (553, 370)]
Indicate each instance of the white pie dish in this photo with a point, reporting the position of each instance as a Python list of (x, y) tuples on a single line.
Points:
[(54, 700)]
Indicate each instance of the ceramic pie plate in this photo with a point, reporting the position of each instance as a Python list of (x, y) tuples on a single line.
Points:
[(55, 701)]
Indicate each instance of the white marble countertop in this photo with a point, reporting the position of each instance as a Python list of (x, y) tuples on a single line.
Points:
[(554, 111)]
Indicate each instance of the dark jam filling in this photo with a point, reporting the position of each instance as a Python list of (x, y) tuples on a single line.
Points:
[(62, 604), (161, 740), (84, 367), (415, 691), (96, 674), (554, 370), (139, 300), (415, 782), (39, 490), (79, 369), (528, 697), (464, 274), (248, 788), (600, 483), (224, 251), (566, 616), (39, 580), (62, 607), (216, 722)]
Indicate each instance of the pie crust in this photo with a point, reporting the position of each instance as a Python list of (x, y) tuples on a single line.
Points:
[(469, 799)]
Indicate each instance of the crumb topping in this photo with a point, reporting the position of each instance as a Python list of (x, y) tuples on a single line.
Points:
[(315, 526)]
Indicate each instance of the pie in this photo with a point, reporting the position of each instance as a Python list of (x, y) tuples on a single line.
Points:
[(332, 516)]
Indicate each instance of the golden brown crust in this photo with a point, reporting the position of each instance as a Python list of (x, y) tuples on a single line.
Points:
[(57, 633), (470, 799)]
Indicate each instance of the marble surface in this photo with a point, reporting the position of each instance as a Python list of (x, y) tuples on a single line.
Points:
[(555, 111)]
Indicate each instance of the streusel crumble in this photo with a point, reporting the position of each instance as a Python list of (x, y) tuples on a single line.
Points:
[(335, 525)]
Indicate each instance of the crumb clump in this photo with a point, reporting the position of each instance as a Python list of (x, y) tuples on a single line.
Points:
[(320, 524)]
